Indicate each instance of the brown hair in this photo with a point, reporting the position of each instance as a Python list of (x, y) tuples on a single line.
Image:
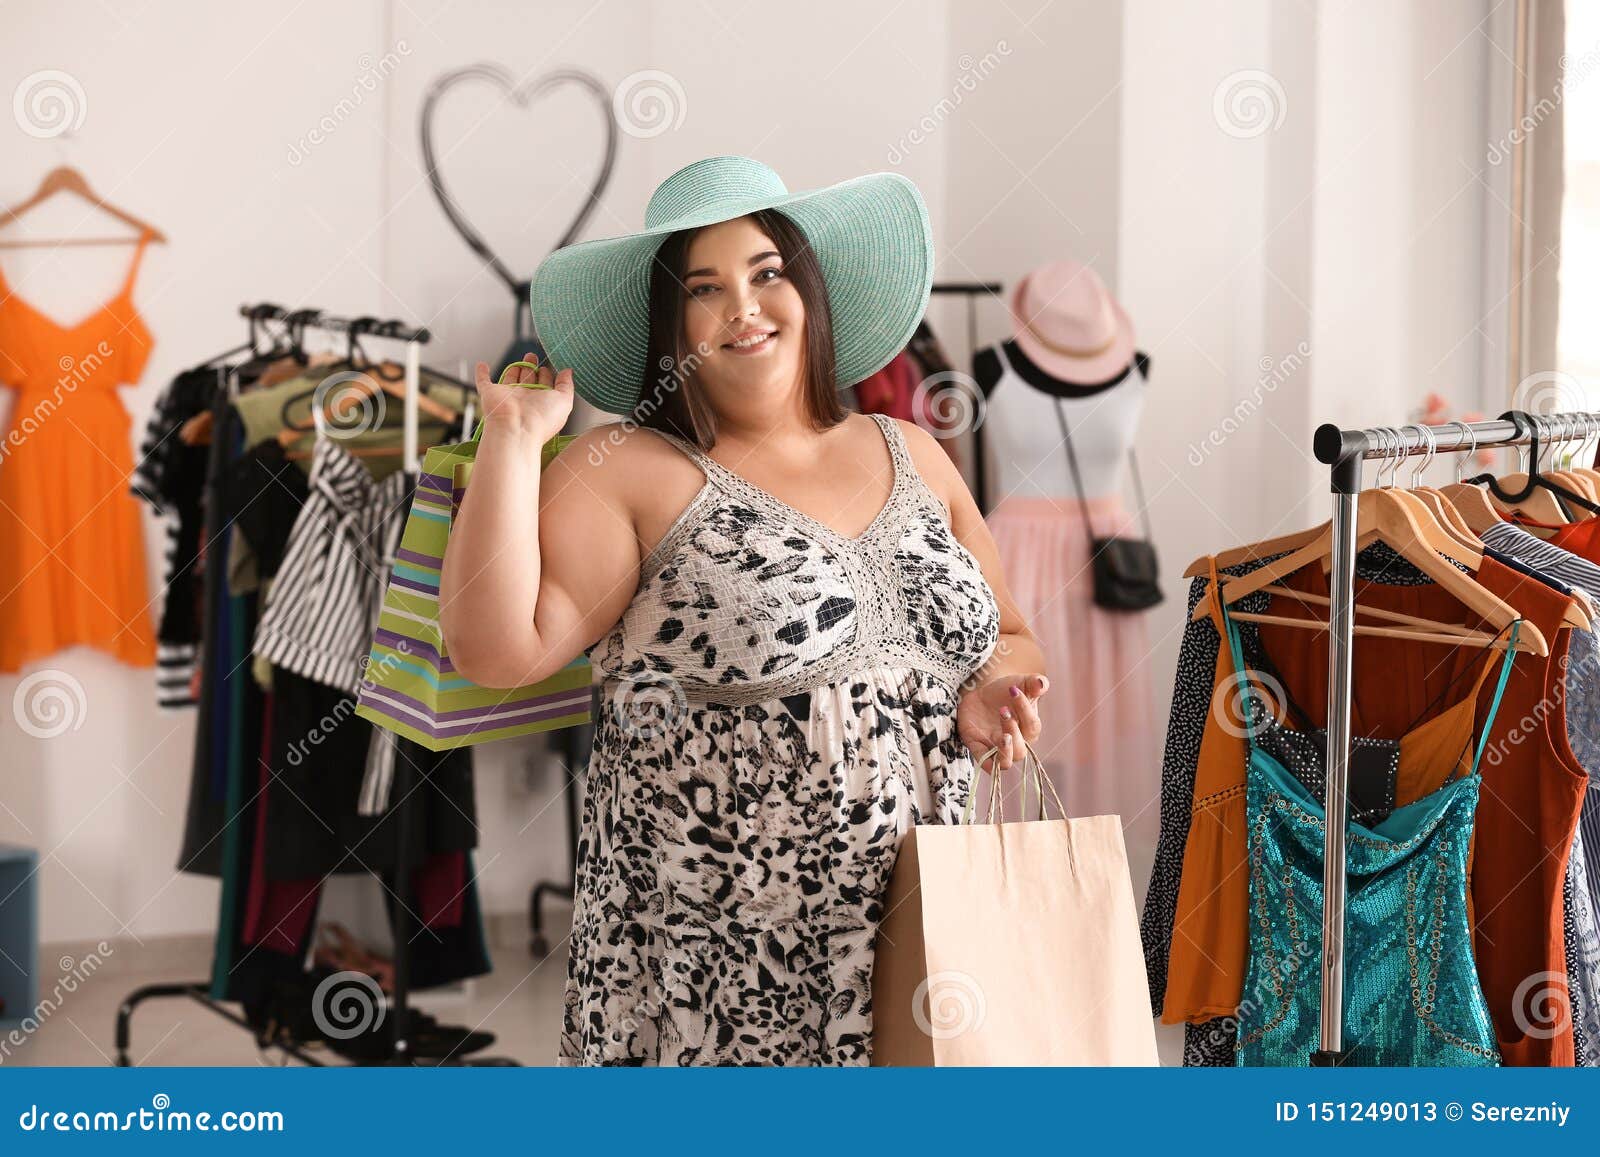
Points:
[(669, 398)]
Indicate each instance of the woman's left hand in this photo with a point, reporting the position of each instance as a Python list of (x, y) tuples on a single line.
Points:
[(1001, 713)]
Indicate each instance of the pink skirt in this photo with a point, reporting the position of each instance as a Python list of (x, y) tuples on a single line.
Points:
[(1100, 734)]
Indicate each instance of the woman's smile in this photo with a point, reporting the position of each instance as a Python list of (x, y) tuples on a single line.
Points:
[(754, 342)]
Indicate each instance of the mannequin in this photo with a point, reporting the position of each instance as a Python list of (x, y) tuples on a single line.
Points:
[(1024, 435), (1071, 360)]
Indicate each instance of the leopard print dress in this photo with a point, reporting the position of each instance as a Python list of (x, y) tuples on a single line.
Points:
[(779, 708)]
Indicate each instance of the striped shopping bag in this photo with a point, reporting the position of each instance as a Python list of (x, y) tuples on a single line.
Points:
[(410, 685)]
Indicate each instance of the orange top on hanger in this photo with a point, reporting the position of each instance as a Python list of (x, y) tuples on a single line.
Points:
[(72, 559)]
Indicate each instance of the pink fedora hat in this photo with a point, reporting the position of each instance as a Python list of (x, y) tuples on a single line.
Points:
[(1069, 325)]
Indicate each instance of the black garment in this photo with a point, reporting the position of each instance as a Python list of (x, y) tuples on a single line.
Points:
[(256, 493), (250, 974), (263, 492), (1374, 767), (170, 476), (230, 708), (319, 751), (928, 352)]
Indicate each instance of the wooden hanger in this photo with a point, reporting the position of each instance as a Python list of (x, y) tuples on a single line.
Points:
[(66, 179), (1256, 550), (1383, 515), (355, 389), (1470, 502), (289, 435), (1456, 526), (1572, 478), (1375, 612), (353, 451), (1589, 474), (396, 388), (1540, 504), (1446, 514), (1575, 614), (351, 393)]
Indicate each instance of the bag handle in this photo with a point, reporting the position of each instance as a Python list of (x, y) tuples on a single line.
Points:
[(478, 433), (1077, 479), (1041, 781)]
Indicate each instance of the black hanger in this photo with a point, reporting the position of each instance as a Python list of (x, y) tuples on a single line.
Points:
[(1533, 426), (354, 357), (255, 316), (212, 361), (297, 323)]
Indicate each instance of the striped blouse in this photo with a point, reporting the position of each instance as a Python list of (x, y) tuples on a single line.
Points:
[(320, 610)]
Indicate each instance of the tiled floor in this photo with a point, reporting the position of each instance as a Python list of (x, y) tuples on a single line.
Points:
[(520, 1002)]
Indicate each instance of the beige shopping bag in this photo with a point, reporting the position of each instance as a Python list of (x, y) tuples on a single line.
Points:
[(1012, 943)]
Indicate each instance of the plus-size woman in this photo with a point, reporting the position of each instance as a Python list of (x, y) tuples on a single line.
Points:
[(796, 610)]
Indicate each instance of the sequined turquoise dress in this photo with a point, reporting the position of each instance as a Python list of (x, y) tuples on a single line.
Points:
[(1411, 993)]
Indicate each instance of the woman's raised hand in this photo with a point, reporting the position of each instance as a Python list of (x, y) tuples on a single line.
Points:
[(511, 406)]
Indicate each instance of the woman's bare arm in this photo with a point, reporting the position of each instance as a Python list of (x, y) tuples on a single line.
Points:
[(538, 567)]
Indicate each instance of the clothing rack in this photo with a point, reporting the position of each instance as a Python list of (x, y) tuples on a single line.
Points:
[(972, 291), (402, 788), (414, 337), (1343, 451)]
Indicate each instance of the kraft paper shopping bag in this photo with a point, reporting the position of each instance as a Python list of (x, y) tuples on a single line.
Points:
[(1012, 943)]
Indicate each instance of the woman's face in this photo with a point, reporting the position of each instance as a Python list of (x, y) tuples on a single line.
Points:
[(737, 290)]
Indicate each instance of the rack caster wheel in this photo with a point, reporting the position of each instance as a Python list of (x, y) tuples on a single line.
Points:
[(539, 946)]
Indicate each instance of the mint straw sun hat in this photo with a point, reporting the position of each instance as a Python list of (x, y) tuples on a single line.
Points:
[(870, 234)]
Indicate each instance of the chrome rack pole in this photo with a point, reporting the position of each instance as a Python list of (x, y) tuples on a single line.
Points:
[(1345, 482)]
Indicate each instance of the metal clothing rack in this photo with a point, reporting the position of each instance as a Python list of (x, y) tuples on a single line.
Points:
[(415, 337), (972, 291), (1343, 451), (402, 787)]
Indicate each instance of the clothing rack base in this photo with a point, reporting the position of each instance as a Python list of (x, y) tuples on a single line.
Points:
[(196, 991)]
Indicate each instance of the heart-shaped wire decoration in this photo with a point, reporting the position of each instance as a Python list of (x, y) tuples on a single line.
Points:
[(523, 96)]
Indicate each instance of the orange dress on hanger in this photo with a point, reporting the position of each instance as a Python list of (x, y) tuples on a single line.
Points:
[(72, 558)]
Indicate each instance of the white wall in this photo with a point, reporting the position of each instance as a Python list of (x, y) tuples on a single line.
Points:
[(1035, 130), (1341, 203)]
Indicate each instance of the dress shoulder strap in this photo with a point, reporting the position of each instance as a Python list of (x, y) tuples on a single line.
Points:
[(133, 267), (1005, 362), (1499, 690), (899, 452), (709, 466)]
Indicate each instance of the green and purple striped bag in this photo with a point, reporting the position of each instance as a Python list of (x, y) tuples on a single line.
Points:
[(410, 686)]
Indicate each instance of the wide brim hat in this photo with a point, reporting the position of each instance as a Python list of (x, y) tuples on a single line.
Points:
[(870, 234), (1069, 324)]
